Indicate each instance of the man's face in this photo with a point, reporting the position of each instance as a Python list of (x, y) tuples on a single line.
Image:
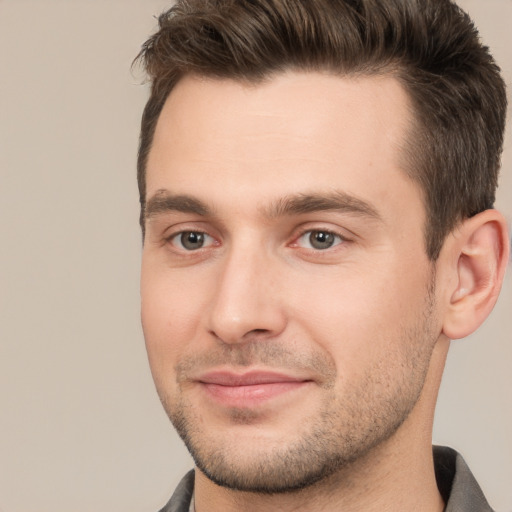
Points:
[(287, 299)]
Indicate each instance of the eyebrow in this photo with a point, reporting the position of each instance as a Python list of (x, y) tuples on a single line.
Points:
[(333, 201), (163, 201)]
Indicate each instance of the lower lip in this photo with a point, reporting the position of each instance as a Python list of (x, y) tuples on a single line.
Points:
[(251, 395)]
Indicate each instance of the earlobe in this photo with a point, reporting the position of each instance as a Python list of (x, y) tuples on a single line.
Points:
[(481, 255)]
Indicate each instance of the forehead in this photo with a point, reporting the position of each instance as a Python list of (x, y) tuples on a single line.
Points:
[(293, 132)]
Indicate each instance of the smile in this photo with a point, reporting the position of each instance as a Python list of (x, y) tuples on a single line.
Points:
[(250, 389)]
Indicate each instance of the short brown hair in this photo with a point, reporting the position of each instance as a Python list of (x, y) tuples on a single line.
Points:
[(430, 46)]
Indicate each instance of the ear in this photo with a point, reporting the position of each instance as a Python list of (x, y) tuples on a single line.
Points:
[(478, 256)]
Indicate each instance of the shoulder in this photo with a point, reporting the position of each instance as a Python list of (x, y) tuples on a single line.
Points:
[(457, 484), (182, 496)]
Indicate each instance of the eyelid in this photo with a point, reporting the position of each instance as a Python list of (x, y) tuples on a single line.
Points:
[(177, 235), (172, 228), (176, 230), (338, 239), (343, 234)]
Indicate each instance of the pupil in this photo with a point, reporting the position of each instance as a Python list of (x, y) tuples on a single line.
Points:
[(192, 240), (321, 239)]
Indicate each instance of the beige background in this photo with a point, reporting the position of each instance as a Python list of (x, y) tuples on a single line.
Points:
[(81, 428)]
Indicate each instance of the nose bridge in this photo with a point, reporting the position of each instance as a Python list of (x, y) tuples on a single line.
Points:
[(245, 300)]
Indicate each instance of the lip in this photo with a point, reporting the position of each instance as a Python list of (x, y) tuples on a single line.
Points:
[(248, 389)]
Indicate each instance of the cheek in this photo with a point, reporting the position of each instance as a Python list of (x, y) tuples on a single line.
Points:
[(360, 317), (170, 313)]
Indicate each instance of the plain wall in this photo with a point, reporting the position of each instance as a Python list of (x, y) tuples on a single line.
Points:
[(81, 427)]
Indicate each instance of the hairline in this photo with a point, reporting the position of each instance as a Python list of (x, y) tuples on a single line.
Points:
[(409, 162)]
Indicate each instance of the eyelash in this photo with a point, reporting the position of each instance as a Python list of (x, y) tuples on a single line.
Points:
[(180, 234), (338, 239)]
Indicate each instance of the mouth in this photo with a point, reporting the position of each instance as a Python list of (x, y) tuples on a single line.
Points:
[(249, 389)]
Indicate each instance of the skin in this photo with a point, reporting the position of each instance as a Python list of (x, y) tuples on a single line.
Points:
[(259, 171)]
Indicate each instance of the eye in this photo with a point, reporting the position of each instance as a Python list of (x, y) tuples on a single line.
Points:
[(319, 240), (191, 240)]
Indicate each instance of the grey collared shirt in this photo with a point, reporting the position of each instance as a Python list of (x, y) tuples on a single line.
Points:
[(456, 483)]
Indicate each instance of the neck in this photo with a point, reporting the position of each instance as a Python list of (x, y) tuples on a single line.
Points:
[(398, 475), (407, 484)]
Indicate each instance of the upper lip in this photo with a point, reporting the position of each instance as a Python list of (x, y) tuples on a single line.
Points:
[(250, 378)]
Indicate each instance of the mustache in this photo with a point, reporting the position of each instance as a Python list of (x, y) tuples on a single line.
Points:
[(269, 355)]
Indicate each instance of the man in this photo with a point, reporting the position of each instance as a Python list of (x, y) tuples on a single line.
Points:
[(316, 182)]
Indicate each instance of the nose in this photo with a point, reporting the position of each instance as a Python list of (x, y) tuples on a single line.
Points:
[(246, 303)]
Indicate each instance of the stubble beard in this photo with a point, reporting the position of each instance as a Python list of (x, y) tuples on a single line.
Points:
[(343, 430)]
